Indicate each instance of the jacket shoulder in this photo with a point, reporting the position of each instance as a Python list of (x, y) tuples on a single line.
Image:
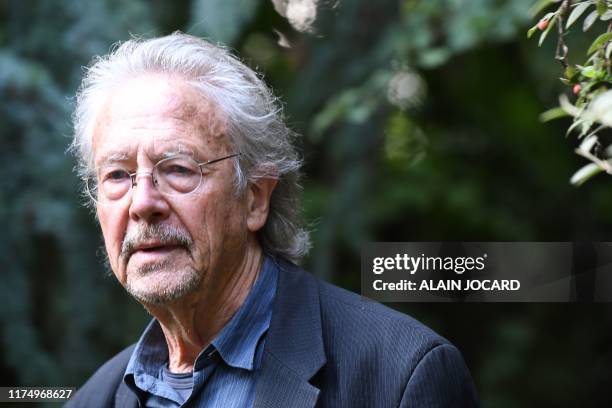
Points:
[(344, 313), (372, 321), (350, 322), (99, 390), (393, 358)]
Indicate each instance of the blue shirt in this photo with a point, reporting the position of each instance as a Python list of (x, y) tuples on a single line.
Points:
[(224, 373)]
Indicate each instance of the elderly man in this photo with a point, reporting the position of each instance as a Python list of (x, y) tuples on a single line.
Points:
[(194, 180)]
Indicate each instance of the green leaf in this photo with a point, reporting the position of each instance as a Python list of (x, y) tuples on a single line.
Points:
[(601, 7), (552, 114), (405, 143), (589, 20), (574, 125), (434, 57), (585, 128), (606, 16), (532, 30), (551, 24), (588, 143), (567, 106), (608, 50), (334, 111), (589, 72), (587, 87), (539, 6), (592, 59), (585, 173), (576, 13), (599, 41), (570, 72)]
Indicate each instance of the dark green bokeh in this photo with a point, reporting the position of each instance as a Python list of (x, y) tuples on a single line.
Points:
[(464, 159)]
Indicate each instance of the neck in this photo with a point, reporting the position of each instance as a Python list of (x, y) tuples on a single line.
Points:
[(192, 322)]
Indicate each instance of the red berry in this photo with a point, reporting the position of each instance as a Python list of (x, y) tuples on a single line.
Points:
[(542, 24), (576, 89)]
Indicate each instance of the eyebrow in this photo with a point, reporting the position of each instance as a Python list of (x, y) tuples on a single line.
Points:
[(176, 152), (114, 157), (123, 157)]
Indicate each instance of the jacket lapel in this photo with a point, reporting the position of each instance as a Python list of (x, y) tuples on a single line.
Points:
[(125, 398), (294, 350)]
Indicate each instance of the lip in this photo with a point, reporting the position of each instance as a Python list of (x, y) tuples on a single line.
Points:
[(153, 251), (151, 246)]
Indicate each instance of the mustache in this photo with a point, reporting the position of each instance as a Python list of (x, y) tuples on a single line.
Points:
[(164, 234)]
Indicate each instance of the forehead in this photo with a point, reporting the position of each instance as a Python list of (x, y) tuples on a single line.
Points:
[(154, 114)]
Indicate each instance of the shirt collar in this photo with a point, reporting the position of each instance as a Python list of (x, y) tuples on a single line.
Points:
[(151, 352), (237, 341)]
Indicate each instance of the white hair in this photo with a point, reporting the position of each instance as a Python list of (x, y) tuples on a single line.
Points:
[(253, 115)]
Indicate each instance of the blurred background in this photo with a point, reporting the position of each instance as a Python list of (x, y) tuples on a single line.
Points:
[(419, 122)]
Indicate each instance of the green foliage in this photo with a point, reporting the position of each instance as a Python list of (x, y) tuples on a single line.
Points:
[(50, 241), (589, 81)]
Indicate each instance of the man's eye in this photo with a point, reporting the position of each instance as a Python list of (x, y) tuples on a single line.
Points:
[(177, 170), (115, 176)]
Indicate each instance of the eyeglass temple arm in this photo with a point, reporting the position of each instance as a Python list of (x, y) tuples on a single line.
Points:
[(218, 160)]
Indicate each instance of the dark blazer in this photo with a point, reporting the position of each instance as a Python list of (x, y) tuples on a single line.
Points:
[(328, 347)]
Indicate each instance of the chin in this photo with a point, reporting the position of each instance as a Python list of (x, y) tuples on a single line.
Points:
[(154, 285)]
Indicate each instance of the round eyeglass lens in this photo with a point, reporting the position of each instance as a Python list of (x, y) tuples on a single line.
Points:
[(113, 182), (177, 175)]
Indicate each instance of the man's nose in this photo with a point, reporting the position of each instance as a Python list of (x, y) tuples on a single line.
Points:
[(148, 204)]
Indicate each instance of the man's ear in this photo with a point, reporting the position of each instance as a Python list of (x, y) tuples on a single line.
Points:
[(258, 201)]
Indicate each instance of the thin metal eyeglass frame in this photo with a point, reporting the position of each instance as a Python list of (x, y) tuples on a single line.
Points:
[(134, 182)]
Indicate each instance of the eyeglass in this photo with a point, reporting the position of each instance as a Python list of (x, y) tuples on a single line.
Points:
[(174, 176)]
